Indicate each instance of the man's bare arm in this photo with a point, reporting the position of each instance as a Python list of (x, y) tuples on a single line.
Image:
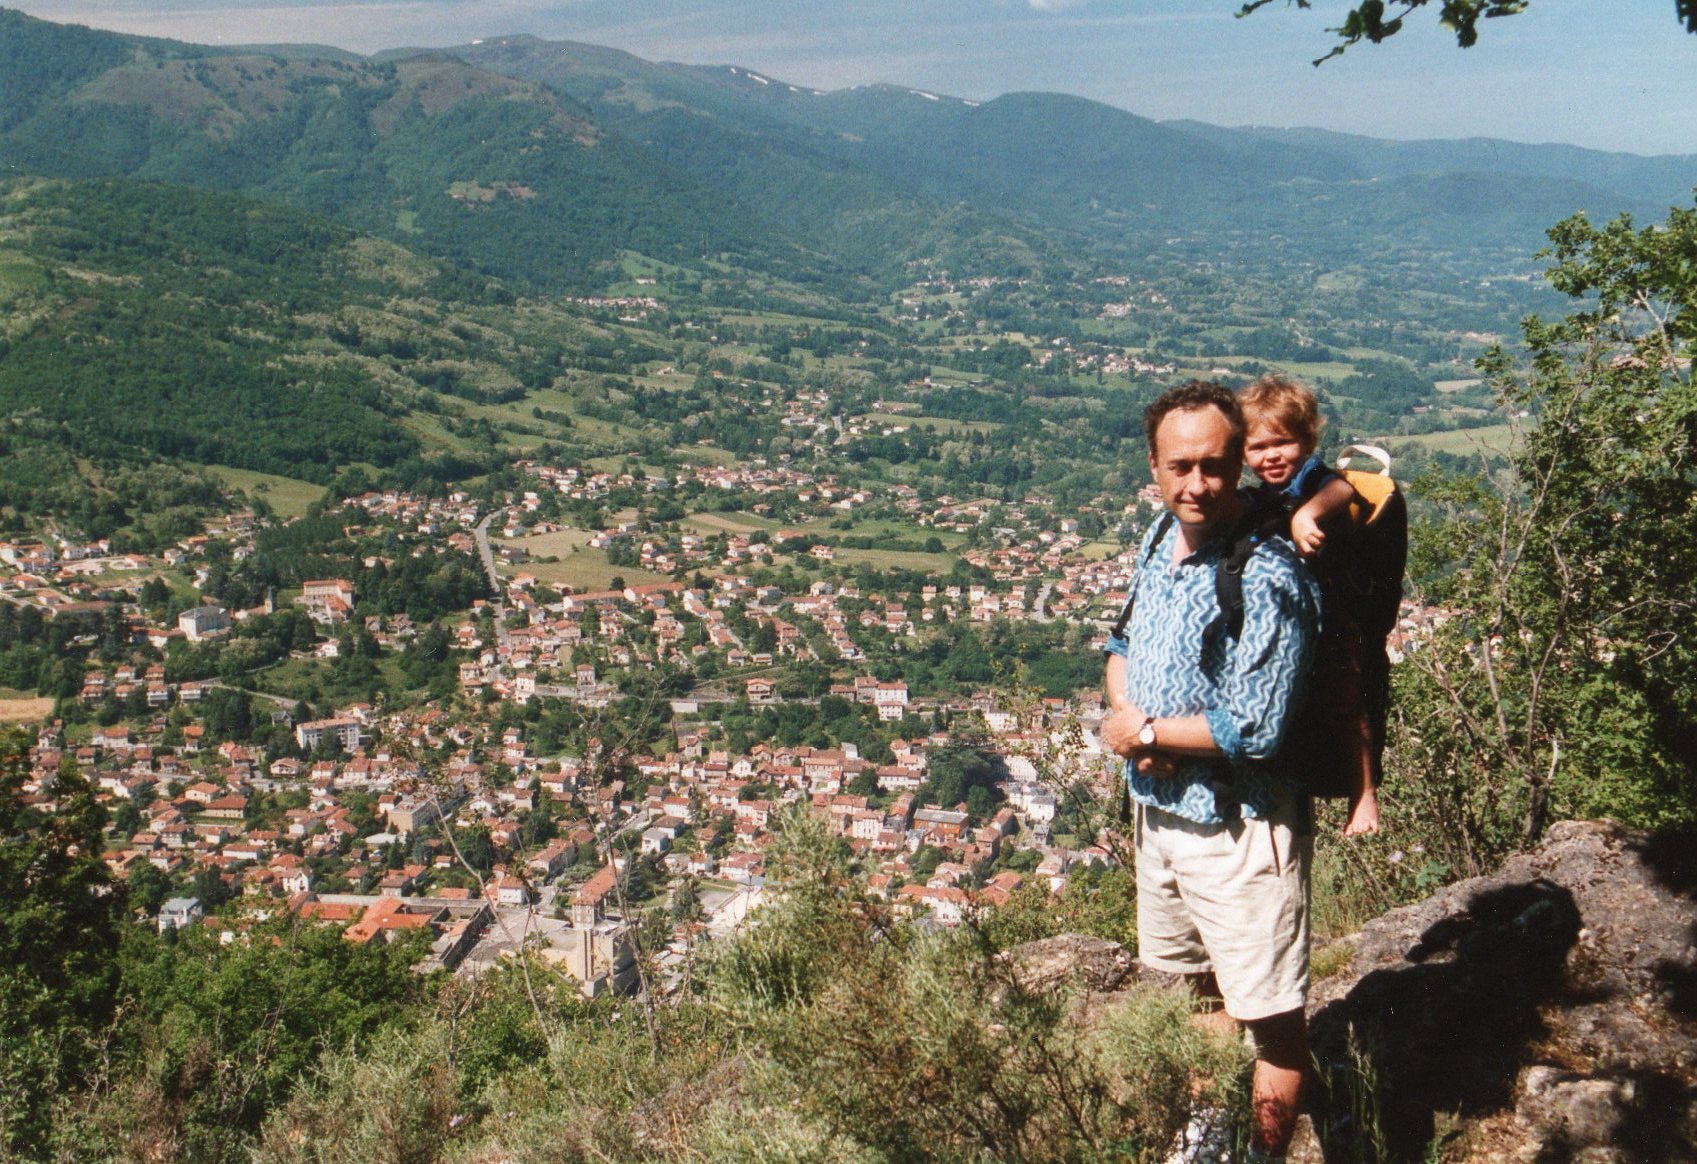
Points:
[(1113, 683), (1185, 735)]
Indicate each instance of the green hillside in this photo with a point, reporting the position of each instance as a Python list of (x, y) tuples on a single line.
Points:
[(302, 263), (154, 318), (539, 162), (214, 329), (497, 175), (842, 191), (1081, 176)]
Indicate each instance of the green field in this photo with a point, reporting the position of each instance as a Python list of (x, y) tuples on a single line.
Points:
[(897, 560), (763, 319), (942, 377), (617, 464), (1338, 281), (635, 263), (592, 428), (548, 545), (430, 432), (1098, 551), (700, 455), (833, 531), (730, 523), (667, 382), (521, 429), (298, 679), (181, 584), (1329, 370), (889, 528), (1494, 438), (579, 567), (290, 678), (935, 423), (286, 496), (585, 570), (17, 276)]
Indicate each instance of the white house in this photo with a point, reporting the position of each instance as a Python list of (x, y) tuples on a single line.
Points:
[(179, 912)]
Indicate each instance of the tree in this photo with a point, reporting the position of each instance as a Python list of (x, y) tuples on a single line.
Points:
[(59, 930), (126, 819), (968, 661), (539, 828), (147, 887), (686, 901), (954, 772), (227, 714), (210, 888), (1568, 666), (476, 849), (1375, 20), (235, 1029), (865, 783)]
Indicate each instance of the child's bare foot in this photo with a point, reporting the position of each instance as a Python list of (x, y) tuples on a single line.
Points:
[(1363, 816)]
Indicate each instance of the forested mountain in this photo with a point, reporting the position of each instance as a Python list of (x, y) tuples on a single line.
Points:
[(538, 162), (490, 173), (1089, 171), (1652, 179), (140, 318), (199, 248)]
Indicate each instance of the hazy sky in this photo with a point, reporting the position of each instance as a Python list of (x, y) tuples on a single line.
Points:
[(1610, 74)]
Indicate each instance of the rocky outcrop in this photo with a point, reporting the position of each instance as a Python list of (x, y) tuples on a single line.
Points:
[(1093, 964), (1545, 1013)]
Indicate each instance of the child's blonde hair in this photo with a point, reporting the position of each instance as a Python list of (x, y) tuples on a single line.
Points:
[(1286, 402)]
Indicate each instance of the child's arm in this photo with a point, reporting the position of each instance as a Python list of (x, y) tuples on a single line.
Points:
[(1331, 499)]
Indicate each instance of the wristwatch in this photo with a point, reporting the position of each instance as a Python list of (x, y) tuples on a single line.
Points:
[(1146, 733)]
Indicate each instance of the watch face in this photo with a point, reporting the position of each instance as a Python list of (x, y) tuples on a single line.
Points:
[(1146, 734)]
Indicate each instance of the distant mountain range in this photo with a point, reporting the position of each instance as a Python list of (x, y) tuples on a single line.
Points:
[(539, 162)]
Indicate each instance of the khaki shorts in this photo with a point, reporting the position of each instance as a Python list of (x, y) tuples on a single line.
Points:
[(1227, 898)]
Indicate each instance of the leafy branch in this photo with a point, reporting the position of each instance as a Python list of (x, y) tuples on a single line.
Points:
[(1375, 21)]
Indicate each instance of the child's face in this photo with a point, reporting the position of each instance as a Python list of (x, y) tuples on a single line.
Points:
[(1272, 453)]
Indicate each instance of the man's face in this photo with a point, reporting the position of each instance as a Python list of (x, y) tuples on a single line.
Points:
[(1196, 468)]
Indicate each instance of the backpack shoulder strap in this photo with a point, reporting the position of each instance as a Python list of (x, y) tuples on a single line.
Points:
[(1262, 520), (1161, 526)]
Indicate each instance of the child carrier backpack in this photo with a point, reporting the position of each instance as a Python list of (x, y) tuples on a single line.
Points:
[(1360, 574)]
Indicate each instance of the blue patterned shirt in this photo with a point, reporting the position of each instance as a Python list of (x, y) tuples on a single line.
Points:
[(1247, 688)]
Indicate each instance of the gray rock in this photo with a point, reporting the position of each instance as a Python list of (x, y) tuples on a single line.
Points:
[(1546, 1013), (1095, 964), (1559, 989)]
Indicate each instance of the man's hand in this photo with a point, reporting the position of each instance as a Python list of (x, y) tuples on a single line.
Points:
[(1118, 733), (1156, 764)]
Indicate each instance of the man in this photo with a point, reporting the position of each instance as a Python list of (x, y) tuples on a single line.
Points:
[(1221, 841)]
